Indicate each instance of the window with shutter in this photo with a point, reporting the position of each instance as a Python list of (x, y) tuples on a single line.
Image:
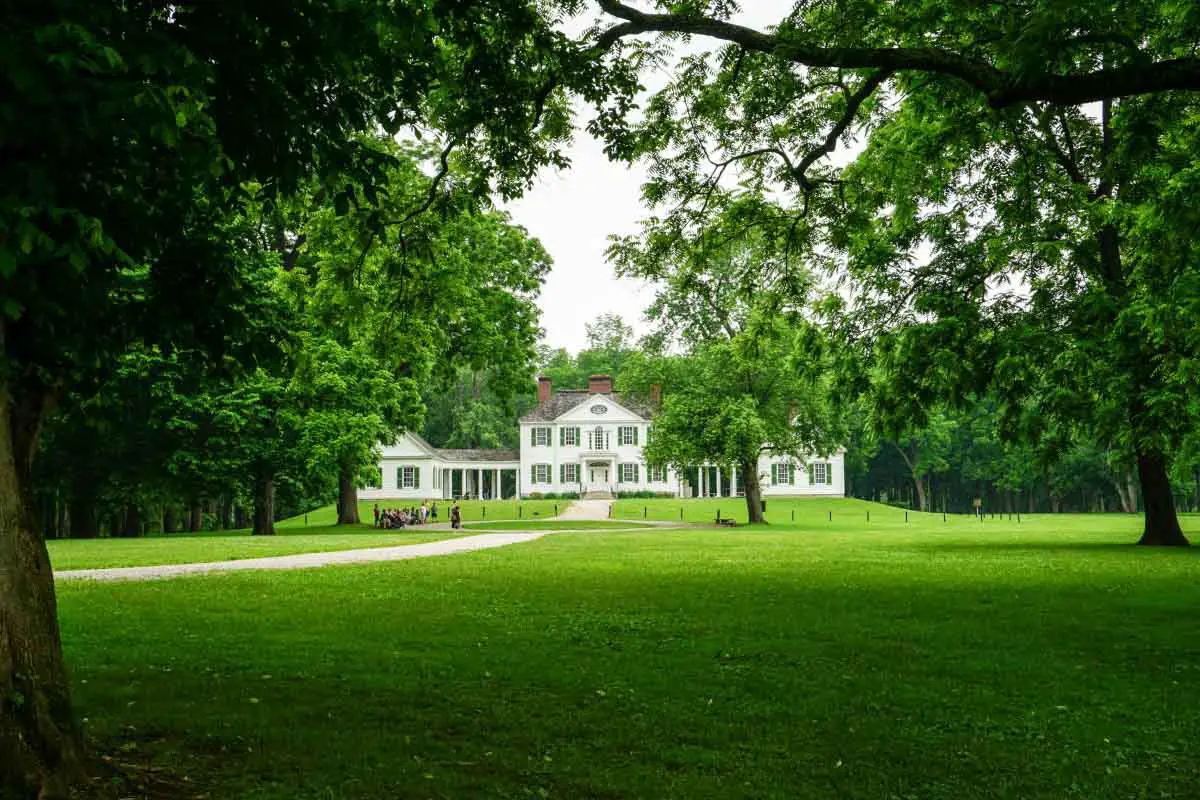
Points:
[(408, 477), (774, 474), (791, 474)]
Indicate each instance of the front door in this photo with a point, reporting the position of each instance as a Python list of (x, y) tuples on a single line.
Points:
[(597, 474)]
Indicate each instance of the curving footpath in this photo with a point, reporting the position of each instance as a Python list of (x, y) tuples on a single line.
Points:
[(445, 547)]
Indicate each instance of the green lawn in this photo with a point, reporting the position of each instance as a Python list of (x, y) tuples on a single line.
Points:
[(471, 510), (184, 548), (552, 525), (1050, 660), (845, 515)]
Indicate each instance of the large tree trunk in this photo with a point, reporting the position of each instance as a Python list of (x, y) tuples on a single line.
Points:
[(1162, 524), (41, 750), (1032, 500), (170, 521), (195, 516), (753, 491), (347, 496), (264, 503)]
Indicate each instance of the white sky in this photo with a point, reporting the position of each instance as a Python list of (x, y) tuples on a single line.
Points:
[(573, 212)]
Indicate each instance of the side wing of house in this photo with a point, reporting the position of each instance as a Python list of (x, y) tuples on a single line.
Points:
[(785, 476), (407, 471)]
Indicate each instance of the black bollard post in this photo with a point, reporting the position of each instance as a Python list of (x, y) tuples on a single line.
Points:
[(831, 516), (943, 516), (645, 510), (793, 515), (905, 517), (681, 513), (518, 512), (556, 509), (868, 516), (483, 510)]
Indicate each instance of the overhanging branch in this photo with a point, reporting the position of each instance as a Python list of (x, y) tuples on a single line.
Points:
[(1001, 88)]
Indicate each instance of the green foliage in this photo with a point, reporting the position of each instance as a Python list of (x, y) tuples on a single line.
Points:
[(752, 378), (990, 235), (610, 344)]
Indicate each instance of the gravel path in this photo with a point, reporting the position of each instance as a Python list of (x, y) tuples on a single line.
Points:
[(466, 544), (584, 510)]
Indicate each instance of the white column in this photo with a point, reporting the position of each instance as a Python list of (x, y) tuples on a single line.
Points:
[(718, 481), (496, 485), (733, 481)]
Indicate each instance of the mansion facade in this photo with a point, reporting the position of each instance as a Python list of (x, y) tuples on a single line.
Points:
[(588, 442)]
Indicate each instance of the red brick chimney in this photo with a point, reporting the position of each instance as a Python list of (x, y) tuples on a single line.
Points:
[(600, 384), (544, 386), (656, 395)]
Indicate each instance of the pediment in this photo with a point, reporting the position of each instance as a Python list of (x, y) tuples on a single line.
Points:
[(407, 446), (599, 409)]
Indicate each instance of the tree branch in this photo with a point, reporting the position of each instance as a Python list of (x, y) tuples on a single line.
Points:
[(1001, 88), (853, 103)]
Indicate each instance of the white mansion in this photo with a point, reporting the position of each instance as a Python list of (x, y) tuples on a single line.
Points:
[(588, 442)]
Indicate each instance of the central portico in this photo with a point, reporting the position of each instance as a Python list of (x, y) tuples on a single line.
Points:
[(586, 441)]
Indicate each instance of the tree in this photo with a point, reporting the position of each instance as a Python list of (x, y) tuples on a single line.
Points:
[(993, 235), (752, 379), (384, 321), (171, 111), (925, 451), (609, 343)]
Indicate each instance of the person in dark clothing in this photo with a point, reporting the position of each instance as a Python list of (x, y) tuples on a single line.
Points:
[(377, 515), (455, 517)]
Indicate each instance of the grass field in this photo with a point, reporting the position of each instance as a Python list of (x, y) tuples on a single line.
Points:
[(184, 548), (472, 510), (553, 525), (1052, 660), (845, 515)]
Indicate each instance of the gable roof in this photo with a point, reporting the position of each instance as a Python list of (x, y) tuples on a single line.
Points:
[(565, 400)]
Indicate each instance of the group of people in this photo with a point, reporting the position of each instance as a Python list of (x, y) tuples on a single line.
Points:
[(399, 517), (415, 515)]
